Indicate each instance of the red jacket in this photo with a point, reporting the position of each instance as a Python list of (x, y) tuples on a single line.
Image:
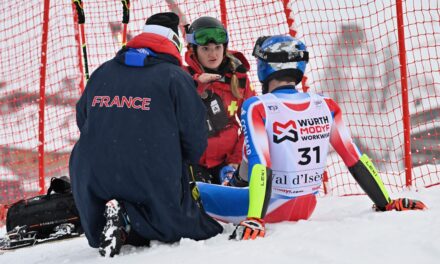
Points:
[(226, 146)]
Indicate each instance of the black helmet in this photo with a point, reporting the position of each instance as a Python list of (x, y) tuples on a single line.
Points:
[(205, 22), (205, 30)]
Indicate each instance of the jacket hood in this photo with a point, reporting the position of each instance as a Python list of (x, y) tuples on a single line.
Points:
[(147, 45)]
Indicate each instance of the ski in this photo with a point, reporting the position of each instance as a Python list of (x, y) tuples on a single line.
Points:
[(17, 238), (20, 237)]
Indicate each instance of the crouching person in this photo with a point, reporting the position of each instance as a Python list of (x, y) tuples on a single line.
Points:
[(128, 169)]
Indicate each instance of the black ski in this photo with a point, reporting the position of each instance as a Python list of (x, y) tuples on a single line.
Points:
[(20, 237)]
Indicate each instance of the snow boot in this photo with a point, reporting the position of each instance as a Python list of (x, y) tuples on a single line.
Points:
[(115, 231)]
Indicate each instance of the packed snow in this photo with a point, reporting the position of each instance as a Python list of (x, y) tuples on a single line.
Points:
[(342, 230)]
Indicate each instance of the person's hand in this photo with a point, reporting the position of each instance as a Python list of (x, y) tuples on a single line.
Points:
[(226, 174), (250, 228), (403, 204), (208, 77)]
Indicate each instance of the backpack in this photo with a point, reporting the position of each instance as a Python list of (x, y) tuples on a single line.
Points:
[(45, 213)]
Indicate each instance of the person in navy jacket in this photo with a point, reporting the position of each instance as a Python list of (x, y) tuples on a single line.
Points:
[(141, 124)]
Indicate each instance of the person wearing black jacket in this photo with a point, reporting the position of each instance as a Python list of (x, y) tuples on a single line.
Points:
[(141, 124)]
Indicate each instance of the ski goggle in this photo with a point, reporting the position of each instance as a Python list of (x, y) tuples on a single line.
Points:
[(204, 36)]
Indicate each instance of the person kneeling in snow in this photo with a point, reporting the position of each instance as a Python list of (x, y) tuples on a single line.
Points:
[(287, 136), (137, 117)]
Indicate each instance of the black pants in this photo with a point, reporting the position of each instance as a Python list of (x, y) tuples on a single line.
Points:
[(136, 240)]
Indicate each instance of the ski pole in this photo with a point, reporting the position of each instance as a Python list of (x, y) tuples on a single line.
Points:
[(125, 20), (81, 19), (195, 193)]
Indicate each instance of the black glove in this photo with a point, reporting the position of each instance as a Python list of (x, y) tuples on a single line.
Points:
[(201, 174)]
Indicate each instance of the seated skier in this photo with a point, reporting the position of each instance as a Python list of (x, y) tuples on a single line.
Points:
[(287, 137)]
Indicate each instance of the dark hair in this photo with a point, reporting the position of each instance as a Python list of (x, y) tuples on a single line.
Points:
[(286, 75), (285, 78)]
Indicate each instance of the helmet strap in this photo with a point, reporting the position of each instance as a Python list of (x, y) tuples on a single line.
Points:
[(265, 87)]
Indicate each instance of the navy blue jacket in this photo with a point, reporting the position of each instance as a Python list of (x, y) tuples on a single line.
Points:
[(141, 122)]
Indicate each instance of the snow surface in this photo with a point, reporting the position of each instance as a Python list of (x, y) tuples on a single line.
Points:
[(342, 230)]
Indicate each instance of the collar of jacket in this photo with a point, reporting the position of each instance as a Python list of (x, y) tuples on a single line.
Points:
[(290, 89), (156, 43)]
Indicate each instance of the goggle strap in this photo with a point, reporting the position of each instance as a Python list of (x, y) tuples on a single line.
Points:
[(190, 38), (283, 56)]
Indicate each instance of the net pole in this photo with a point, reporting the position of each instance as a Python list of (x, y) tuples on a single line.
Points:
[(223, 13), (405, 101), (42, 99)]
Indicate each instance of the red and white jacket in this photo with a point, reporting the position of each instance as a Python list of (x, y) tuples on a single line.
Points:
[(226, 146), (290, 132)]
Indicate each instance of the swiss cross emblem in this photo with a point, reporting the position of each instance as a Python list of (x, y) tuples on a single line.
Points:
[(232, 108), (285, 131)]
